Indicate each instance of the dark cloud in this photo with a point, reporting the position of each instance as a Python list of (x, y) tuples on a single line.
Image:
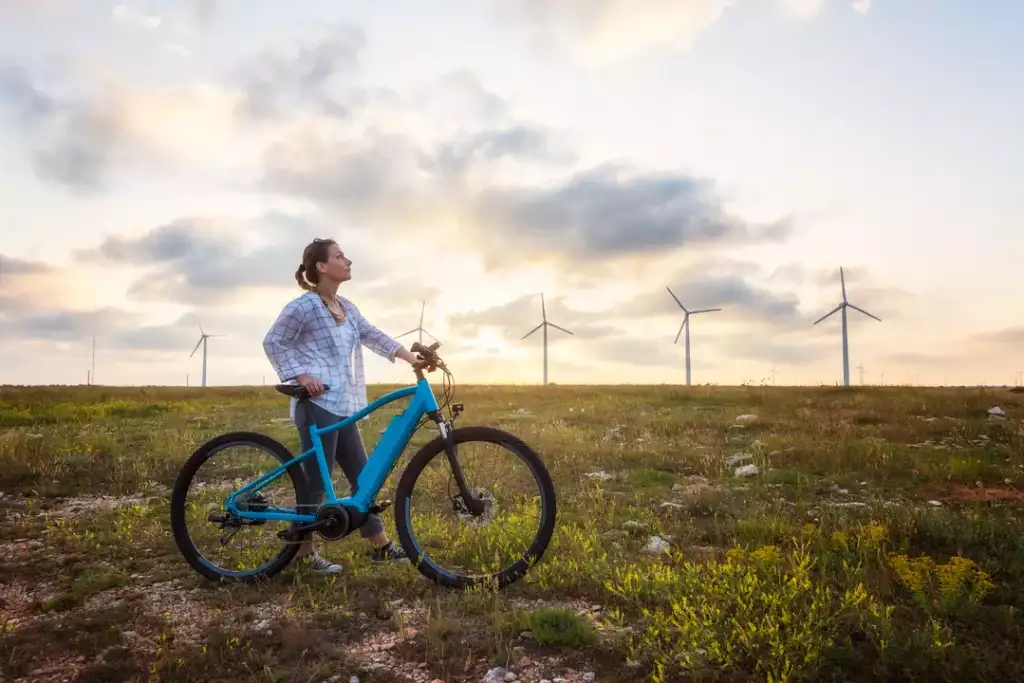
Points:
[(458, 156), (198, 261), (361, 178), (34, 325), (278, 82), (71, 140), (608, 211), (10, 266)]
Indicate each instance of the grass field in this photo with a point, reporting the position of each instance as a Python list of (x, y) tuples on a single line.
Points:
[(882, 538)]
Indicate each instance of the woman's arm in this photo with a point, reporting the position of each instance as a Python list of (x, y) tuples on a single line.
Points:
[(376, 340), (279, 342)]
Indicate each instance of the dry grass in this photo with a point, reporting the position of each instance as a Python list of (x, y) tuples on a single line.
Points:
[(882, 539)]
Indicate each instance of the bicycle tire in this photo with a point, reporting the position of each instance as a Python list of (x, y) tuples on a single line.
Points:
[(403, 494), (178, 526)]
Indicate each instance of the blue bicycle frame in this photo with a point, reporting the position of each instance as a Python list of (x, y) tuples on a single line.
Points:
[(378, 466)]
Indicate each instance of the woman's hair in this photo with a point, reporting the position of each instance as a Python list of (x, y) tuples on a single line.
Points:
[(315, 252)]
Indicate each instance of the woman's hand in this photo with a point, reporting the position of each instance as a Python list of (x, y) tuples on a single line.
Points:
[(408, 356), (311, 384)]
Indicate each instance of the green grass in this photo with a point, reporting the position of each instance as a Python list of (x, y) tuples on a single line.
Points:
[(834, 562)]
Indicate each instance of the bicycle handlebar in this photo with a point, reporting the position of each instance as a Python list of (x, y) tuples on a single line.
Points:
[(430, 358)]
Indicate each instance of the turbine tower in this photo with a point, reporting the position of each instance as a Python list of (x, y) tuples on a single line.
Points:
[(544, 325), (419, 328), (846, 346), (686, 324), (202, 340)]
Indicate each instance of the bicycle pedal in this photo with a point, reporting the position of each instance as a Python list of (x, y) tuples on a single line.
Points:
[(380, 507)]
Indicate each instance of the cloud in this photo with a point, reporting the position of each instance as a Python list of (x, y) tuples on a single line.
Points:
[(1009, 336), (299, 75), (74, 137), (862, 6), (516, 318), (803, 9), (599, 32), (10, 265), (610, 211), (133, 18), (209, 261)]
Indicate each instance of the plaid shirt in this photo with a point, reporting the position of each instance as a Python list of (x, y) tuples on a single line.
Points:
[(306, 339)]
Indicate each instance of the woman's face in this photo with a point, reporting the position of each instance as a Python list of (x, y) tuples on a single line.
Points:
[(336, 267)]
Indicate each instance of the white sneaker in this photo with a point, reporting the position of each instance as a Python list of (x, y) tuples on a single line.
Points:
[(319, 564)]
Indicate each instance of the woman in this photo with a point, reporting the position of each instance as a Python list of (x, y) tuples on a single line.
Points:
[(316, 341)]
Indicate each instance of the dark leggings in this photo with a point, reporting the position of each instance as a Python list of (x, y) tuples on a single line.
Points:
[(346, 445)]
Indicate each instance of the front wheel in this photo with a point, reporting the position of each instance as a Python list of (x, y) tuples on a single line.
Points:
[(449, 545)]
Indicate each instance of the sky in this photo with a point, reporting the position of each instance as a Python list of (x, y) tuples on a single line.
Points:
[(162, 165)]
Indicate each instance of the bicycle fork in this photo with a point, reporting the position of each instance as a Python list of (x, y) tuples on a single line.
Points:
[(474, 505)]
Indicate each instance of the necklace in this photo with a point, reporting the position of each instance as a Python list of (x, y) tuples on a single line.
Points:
[(334, 306)]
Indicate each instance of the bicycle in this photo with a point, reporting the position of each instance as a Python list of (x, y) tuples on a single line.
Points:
[(336, 518)]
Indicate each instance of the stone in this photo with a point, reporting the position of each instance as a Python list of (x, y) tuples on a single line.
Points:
[(747, 471), (657, 546)]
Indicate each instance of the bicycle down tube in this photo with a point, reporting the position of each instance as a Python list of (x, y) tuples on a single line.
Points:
[(378, 466)]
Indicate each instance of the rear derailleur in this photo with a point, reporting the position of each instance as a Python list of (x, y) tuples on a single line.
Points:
[(228, 520)]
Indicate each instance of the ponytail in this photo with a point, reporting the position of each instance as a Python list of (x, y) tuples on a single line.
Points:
[(301, 278)]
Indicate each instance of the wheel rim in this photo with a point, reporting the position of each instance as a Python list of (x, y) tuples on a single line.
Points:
[(250, 549), (466, 550)]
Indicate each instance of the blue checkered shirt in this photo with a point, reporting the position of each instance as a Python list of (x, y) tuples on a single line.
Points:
[(306, 339)]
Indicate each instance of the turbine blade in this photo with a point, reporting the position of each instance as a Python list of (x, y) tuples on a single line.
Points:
[(677, 300), (531, 332), (422, 309), (842, 279), (543, 309), (681, 326), (201, 331), (829, 313), (864, 312), (560, 328), (197, 347), (415, 329), (431, 336), (705, 310)]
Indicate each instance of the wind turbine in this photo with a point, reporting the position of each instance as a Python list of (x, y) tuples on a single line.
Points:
[(686, 324), (419, 328), (544, 325), (861, 368), (843, 306), (202, 340)]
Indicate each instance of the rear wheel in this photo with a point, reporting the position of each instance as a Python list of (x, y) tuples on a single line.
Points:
[(449, 545), (221, 546)]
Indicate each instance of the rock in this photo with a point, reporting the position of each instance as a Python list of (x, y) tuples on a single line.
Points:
[(510, 676), (600, 474), (669, 505), (736, 459), (935, 503), (657, 546), (353, 679), (495, 675), (589, 677), (746, 418), (747, 471), (996, 410)]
